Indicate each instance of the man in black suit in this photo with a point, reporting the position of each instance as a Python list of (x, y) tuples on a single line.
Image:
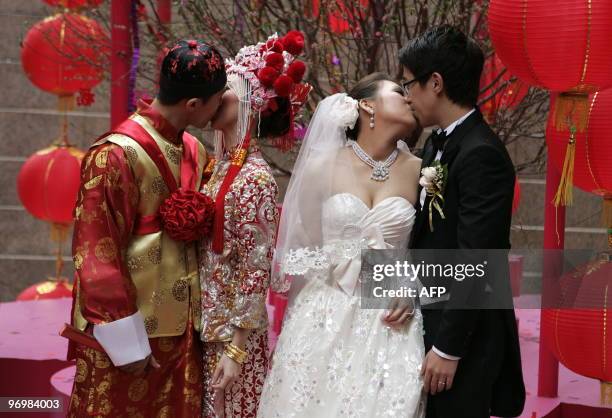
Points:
[(473, 367)]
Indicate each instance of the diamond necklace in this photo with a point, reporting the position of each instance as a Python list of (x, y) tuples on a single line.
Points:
[(380, 170)]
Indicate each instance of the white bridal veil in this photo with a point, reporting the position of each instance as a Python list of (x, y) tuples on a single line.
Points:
[(324, 167)]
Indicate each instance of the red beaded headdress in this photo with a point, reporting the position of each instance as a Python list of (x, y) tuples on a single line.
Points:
[(258, 75)]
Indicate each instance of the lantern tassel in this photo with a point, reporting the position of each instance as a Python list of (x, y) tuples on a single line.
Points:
[(564, 195), (59, 233), (65, 104), (606, 394), (572, 109)]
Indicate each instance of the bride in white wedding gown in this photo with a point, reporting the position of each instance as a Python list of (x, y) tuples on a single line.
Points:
[(333, 358)]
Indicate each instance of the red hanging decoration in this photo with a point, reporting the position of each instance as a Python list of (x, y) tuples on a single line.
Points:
[(239, 155), (64, 54), (342, 15), (48, 183), (593, 152), (588, 157), (498, 91), (73, 4), (563, 47), (580, 337), (85, 98)]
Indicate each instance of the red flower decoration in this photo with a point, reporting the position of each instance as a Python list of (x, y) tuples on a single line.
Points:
[(275, 45), (85, 97), (276, 61), (267, 76), (296, 70), (294, 42), (282, 85), (187, 215)]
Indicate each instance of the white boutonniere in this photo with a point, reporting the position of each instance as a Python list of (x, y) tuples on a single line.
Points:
[(433, 180)]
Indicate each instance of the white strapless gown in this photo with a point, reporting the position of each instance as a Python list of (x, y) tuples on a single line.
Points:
[(334, 359)]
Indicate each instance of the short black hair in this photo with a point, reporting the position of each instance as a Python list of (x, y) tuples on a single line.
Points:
[(448, 51), (273, 124), (191, 69)]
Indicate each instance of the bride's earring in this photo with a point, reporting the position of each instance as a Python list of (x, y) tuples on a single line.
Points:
[(372, 120)]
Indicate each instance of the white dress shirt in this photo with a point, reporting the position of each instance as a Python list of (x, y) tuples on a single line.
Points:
[(450, 128)]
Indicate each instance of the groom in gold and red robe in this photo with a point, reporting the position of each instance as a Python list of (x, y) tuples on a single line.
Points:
[(138, 213)]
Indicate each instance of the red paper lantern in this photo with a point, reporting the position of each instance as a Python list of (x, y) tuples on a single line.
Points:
[(494, 97), (343, 14), (562, 46), (49, 289), (49, 181), (63, 54), (581, 337), (73, 4)]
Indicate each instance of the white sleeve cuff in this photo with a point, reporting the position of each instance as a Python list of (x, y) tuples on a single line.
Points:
[(125, 340), (444, 355)]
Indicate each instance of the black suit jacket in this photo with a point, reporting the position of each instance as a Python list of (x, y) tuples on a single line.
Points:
[(478, 208)]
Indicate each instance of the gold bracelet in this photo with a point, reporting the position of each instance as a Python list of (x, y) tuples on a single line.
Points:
[(237, 349), (235, 353), (233, 356)]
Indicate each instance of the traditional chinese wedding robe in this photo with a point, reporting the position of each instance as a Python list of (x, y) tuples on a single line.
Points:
[(136, 290), (235, 282)]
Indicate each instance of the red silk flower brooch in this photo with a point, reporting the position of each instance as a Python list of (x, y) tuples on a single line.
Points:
[(187, 215)]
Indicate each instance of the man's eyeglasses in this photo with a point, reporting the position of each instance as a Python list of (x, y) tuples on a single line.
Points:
[(407, 84)]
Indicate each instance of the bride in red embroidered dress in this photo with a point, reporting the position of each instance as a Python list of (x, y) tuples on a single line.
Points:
[(264, 93)]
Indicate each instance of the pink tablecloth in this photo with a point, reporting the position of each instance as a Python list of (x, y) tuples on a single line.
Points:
[(29, 330), (31, 351)]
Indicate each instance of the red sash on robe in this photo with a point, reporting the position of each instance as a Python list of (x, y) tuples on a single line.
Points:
[(188, 169), (238, 158)]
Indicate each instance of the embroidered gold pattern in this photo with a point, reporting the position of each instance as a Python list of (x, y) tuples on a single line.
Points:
[(106, 250), (138, 389), (131, 153), (93, 182), (159, 186), (173, 154), (155, 255), (179, 290), (81, 371), (101, 159), (151, 323)]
